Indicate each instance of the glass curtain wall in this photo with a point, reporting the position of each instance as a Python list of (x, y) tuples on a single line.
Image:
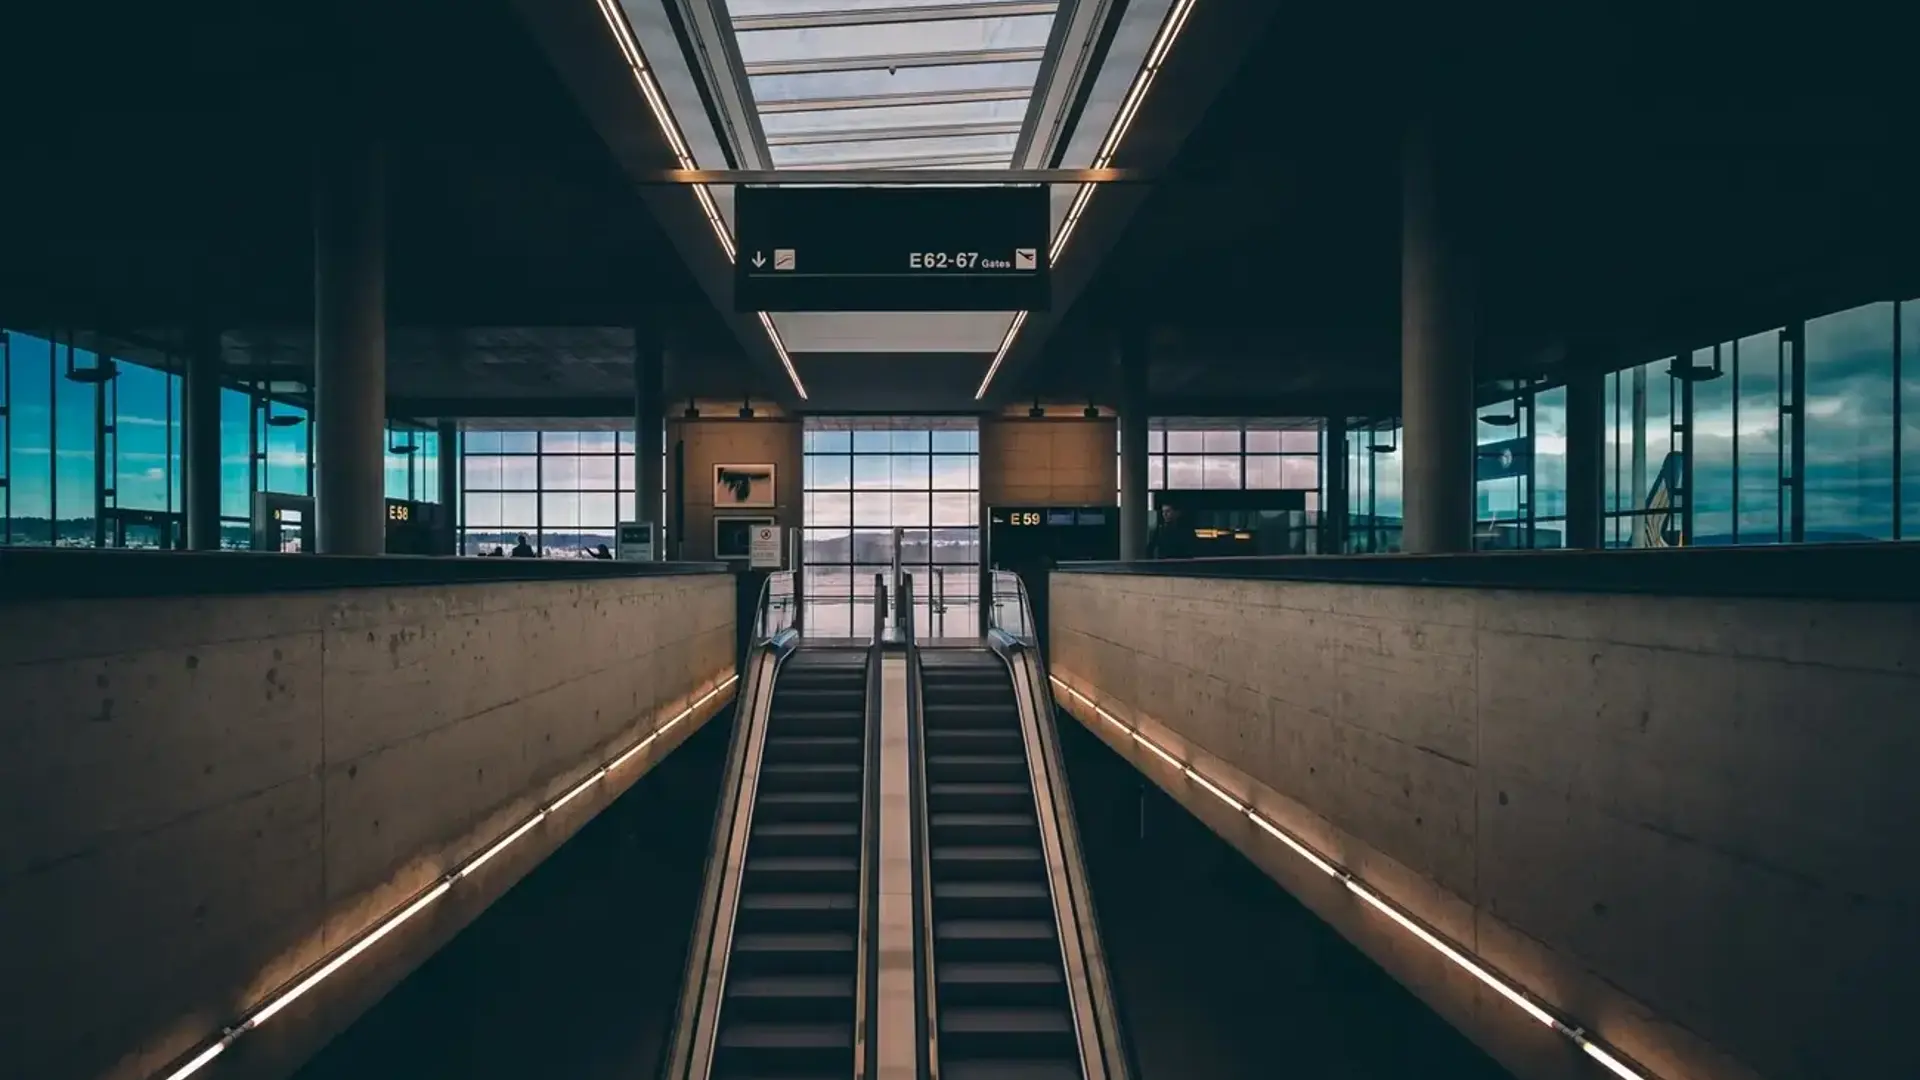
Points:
[(1191, 454), (565, 491), (1520, 467), (1702, 446), (88, 461), (862, 480), (1374, 507)]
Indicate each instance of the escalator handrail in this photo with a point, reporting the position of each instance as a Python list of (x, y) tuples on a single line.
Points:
[(867, 943), (1023, 657), (683, 1057)]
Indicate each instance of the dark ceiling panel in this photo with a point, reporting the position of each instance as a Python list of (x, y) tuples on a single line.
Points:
[(1647, 173)]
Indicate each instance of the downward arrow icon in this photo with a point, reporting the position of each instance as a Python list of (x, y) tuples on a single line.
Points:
[(759, 260)]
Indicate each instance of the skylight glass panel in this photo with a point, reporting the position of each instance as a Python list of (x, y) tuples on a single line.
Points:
[(747, 9), (894, 39), (852, 153), (911, 80), (903, 117)]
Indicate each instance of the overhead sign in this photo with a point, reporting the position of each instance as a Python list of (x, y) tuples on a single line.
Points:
[(764, 554), (891, 249)]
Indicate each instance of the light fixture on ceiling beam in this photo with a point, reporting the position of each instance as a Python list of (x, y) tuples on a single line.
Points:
[(1036, 412), (1696, 373), (657, 102), (1170, 27), (746, 407), (103, 369), (282, 420), (692, 411)]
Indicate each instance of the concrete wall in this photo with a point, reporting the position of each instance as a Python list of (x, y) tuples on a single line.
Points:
[(732, 441), (201, 797), (1685, 823), (1058, 461)]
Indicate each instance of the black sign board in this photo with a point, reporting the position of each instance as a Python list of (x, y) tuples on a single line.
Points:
[(891, 249)]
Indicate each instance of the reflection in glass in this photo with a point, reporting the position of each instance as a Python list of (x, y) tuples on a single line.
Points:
[(1757, 372), (1909, 391), (1849, 424)]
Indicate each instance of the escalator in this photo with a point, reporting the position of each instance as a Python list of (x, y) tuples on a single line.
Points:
[(789, 1002), (1001, 985)]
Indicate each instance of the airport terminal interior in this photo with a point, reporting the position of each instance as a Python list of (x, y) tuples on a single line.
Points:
[(967, 539)]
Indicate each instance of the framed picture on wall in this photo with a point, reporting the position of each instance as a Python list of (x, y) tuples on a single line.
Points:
[(743, 487), (733, 537)]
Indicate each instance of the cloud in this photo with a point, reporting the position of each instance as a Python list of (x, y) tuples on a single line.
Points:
[(155, 474)]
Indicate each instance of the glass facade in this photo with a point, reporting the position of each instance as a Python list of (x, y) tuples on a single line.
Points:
[(1374, 508), (863, 481), (91, 462), (1702, 446), (564, 490), (1234, 455)]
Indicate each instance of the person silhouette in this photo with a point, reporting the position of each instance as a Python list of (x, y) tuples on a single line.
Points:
[(523, 550), (601, 552)]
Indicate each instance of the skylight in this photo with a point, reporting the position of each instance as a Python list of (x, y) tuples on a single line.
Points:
[(891, 84)]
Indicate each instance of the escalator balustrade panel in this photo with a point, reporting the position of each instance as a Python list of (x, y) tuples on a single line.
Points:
[(1001, 988), (789, 1007)]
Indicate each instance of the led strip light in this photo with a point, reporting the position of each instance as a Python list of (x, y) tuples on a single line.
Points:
[(657, 101), (1170, 28), (279, 1001), (1505, 987)]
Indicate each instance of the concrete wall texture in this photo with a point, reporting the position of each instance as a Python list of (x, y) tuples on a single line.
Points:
[(200, 797), (1685, 823), (1058, 461), (732, 441)]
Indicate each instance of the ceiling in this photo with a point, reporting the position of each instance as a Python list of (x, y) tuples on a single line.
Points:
[(166, 180), (1650, 176), (1646, 175)]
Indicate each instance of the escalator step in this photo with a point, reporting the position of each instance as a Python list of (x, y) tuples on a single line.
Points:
[(1008, 930), (976, 973), (791, 986), (992, 899), (1010, 1070), (979, 1021), (809, 830), (787, 1037), (793, 943)]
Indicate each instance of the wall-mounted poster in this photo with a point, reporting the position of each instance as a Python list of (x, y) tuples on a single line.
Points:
[(733, 536), (743, 487)]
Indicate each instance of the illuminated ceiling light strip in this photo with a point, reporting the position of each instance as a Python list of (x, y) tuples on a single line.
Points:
[(1000, 354), (1170, 28), (1378, 900), (663, 116), (780, 349), (274, 1005)]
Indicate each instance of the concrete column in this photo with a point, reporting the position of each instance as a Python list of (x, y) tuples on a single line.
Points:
[(1133, 448), (200, 441), (449, 462), (1436, 360), (1586, 458), (1333, 501), (350, 350), (649, 422)]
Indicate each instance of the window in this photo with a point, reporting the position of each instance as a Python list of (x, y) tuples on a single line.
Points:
[(565, 490), (862, 480), (1849, 424)]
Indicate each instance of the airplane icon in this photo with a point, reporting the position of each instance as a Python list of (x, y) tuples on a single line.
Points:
[(1026, 258)]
